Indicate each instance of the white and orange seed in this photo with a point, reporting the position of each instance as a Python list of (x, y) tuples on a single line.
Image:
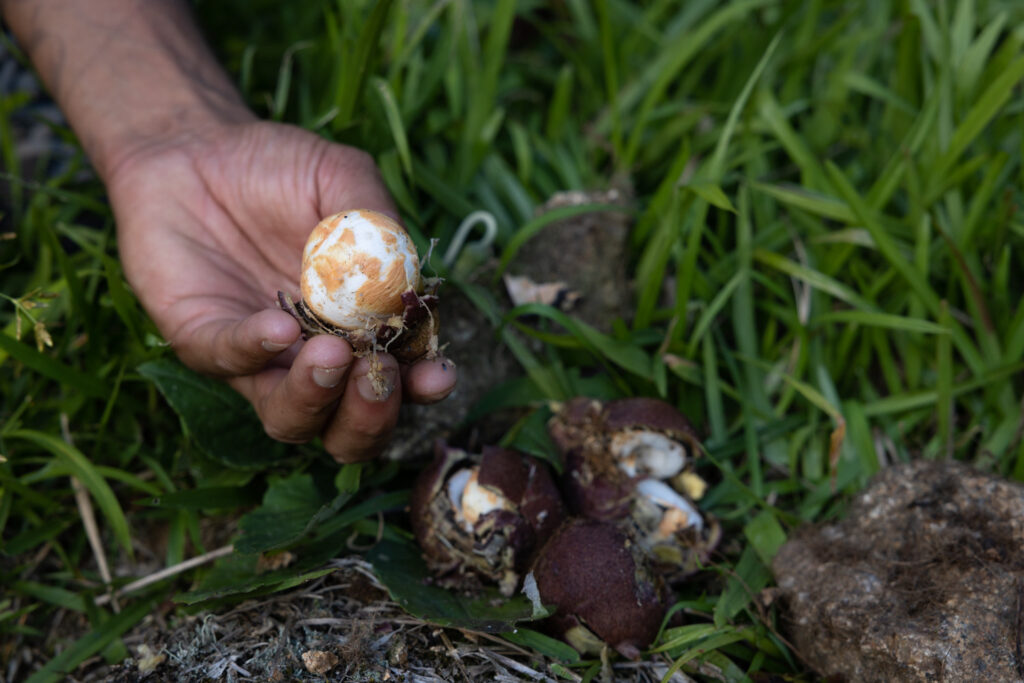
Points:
[(643, 453), (471, 500), (679, 512), (355, 267)]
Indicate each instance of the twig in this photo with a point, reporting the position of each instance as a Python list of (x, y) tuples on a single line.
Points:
[(168, 572), (92, 529), (454, 654), (515, 666)]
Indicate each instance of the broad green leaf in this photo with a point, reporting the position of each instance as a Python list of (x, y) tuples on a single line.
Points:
[(288, 508), (751, 576), (546, 645), (765, 535), (206, 498), (222, 423), (401, 569), (531, 436), (238, 575)]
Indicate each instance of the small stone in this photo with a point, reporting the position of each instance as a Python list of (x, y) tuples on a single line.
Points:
[(148, 660), (319, 662)]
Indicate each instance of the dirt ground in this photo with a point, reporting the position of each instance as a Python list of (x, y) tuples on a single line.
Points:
[(341, 627)]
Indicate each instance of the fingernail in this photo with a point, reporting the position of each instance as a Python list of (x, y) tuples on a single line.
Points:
[(378, 384), (327, 378), (273, 347)]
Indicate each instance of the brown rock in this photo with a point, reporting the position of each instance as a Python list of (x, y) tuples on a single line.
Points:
[(922, 581)]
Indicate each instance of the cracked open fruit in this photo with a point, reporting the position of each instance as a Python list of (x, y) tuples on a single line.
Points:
[(631, 461), (602, 586), (484, 515), (361, 280)]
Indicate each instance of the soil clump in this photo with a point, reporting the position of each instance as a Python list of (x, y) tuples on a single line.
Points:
[(922, 581)]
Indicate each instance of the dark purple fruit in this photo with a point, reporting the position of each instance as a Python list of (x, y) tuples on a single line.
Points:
[(601, 586)]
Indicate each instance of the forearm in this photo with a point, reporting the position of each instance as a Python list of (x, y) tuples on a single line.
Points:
[(128, 74)]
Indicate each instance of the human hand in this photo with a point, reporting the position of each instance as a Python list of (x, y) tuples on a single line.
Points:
[(211, 224)]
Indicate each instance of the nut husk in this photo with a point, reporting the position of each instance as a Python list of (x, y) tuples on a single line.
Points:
[(501, 543), (602, 588), (409, 337)]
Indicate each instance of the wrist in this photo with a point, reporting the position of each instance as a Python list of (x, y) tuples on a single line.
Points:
[(130, 75)]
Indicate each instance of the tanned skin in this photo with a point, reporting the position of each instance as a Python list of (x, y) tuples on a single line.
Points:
[(213, 207)]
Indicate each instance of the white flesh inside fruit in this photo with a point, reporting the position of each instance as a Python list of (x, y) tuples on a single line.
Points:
[(472, 501), (648, 454), (679, 512), (531, 591), (355, 267)]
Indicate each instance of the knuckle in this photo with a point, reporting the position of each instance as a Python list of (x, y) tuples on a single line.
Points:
[(377, 434), (361, 159), (227, 365), (279, 432)]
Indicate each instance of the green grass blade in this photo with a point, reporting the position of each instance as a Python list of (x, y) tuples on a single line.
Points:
[(63, 664), (811, 173), (878, 319), (713, 392), (716, 167), (357, 61), (979, 116), (886, 245), (482, 100), (86, 473), (561, 102), (671, 62), (944, 388), (815, 279), (623, 354), (64, 375), (811, 202), (394, 117), (708, 316)]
